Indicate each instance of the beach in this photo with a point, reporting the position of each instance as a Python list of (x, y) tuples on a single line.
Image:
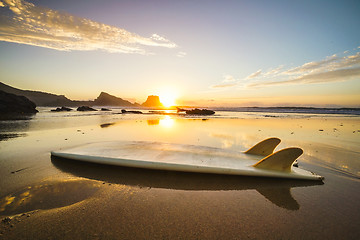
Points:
[(49, 198)]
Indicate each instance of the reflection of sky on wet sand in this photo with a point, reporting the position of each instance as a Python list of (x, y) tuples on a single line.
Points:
[(204, 205), (47, 196), (235, 134), (240, 134)]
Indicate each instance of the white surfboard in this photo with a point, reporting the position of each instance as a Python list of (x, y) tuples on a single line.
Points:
[(257, 161)]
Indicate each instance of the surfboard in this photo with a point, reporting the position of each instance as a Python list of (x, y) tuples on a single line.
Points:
[(260, 160)]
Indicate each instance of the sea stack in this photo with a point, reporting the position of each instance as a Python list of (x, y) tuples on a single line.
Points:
[(153, 101)]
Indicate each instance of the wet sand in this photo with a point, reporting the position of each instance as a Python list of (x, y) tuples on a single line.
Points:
[(51, 198)]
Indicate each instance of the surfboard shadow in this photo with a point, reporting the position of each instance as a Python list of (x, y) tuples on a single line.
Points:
[(277, 191)]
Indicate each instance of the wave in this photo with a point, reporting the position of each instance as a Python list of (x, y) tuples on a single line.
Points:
[(309, 110)]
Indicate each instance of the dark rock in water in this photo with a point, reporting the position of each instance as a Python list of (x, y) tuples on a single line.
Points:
[(197, 111), (180, 109), (85, 108), (153, 101), (133, 112), (105, 109), (13, 105), (62, 109)]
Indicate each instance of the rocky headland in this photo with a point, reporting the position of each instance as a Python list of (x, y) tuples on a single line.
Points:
[(13, 106)]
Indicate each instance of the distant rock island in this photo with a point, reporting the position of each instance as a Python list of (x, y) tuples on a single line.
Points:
[(153, 101), (105, 99)]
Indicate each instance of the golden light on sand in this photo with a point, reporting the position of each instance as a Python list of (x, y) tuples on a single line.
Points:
[(167, 122)]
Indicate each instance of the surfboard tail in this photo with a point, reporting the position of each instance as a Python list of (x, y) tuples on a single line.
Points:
[(265, 147), (281, 160)]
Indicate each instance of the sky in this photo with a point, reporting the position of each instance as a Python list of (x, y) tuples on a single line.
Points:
[(201, 53)]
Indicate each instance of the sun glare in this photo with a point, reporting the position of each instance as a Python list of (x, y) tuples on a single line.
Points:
[(167, 122), (168, 98)]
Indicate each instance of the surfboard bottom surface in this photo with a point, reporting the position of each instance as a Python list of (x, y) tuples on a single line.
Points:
[(176, 157)]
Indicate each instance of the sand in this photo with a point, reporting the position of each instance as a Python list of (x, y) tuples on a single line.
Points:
[(49, 198)]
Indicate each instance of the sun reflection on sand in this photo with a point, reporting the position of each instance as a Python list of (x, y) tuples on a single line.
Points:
[(167, 122)]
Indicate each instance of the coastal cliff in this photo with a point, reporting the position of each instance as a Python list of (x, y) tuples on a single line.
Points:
[(53, 100), (13, 106)]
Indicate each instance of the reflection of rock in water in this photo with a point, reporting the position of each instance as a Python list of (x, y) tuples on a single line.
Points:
[(7, 136), (47, 196), (153, 122), (275, 190), (14, 126)]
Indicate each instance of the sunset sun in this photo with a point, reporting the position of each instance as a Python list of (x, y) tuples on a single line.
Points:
[(168, 96), (168, 99)]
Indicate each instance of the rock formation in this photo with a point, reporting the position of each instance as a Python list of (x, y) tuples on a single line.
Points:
[(153, 101), (13, 105), (105, 99), (52, 100), (62, 109), (85, 108), (39, 98), (197, 111), (133, 112)]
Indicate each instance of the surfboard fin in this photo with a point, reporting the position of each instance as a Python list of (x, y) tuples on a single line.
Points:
[(281, 160), (265, 147)]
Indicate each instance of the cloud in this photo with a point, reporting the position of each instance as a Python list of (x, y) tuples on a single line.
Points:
[(181, 54), (224, 85), (254, 75), (312, 66), (274, 71), (330, 69), (26, 23), (229, 78), (334, 68), (323, 77), (228, 81)]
